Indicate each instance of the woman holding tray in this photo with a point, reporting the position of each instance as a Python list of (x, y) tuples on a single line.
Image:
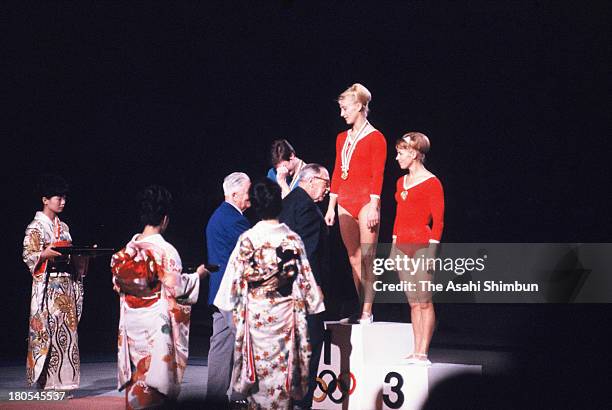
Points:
[(57, 294)]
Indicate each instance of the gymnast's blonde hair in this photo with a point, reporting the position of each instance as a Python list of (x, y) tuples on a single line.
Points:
[(361, 94)]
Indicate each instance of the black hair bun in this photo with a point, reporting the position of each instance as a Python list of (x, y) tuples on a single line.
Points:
[(266, 199), (155, 203)]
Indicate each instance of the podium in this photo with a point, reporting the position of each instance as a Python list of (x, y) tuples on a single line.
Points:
[(361, 368)]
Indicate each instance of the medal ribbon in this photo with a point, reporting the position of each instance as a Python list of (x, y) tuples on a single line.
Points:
[(349, 147), (296, 174)]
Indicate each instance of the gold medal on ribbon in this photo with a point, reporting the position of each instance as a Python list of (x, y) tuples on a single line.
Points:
[(404, 195), (350, 143)]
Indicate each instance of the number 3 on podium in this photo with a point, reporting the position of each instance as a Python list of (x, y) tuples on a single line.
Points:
[(397, 389)]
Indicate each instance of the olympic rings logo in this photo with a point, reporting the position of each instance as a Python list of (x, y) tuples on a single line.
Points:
[(335, 383)]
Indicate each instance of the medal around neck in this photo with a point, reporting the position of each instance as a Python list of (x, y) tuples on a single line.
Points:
[(350, 143)]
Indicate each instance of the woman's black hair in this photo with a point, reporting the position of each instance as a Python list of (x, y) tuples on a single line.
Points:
[(50, 185), (280, 151), (266, 199), (155, 203)]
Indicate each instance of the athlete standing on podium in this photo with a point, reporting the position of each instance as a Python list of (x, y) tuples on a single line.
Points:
[(417, 230), (356, 184)]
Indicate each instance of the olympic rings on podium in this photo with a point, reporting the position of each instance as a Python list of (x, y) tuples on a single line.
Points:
[(336, 383)]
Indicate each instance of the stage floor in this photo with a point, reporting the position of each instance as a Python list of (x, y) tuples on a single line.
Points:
[(98, 386), (99, 381)]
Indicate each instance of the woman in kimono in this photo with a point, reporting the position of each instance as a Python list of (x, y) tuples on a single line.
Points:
[(155, 299), (57, 294), (270, 288)]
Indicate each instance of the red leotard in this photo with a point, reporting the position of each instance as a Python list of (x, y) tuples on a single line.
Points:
[(366, 169), (424, 205)]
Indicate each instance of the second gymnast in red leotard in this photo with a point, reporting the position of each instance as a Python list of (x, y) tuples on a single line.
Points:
[(417, 230), (356, 183)]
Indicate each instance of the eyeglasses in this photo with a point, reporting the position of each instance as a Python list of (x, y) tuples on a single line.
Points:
[(326, 183), (323, 179)]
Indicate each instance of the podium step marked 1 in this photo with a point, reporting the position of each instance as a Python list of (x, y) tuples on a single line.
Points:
[(361, 368)]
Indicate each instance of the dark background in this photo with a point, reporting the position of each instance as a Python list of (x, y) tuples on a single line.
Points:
[(513, 95)]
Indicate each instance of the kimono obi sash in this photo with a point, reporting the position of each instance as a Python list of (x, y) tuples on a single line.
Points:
[(136, 302), (280, 280), (136, 274)]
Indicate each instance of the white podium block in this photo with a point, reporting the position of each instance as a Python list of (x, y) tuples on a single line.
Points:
[(361, 368)]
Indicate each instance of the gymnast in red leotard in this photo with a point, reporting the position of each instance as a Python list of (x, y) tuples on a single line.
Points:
[(357, 180), (417, 230)]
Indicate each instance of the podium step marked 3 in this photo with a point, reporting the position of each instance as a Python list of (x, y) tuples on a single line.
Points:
[(361, 368)]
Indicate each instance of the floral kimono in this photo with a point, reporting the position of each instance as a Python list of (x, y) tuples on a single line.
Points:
[(270, 288), (55, 310), (155, 310)]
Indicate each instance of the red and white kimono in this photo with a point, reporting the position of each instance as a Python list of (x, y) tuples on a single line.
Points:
[(153, 328), (270, 288)]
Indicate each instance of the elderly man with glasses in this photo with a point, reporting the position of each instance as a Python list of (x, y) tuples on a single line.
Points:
[(301, 213)]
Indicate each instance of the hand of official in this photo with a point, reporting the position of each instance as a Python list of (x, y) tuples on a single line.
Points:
[(330, 217)]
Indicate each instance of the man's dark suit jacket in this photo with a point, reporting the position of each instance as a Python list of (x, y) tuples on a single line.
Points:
[(304, 217), (222, 232)]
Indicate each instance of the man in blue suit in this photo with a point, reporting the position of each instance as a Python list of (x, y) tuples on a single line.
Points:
[(224, 227)]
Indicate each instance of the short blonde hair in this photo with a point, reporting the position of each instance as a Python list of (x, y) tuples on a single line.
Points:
[(361, 95), (416, 141)]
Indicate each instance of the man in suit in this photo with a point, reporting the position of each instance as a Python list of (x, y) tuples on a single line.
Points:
[(301, 213), (224, 228)]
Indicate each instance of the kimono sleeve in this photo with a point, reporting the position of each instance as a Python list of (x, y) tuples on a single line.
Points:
[(33, 244), (307, 285), (182, 286)]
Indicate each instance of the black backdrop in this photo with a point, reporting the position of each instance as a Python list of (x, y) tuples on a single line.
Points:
[(514, 96)]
